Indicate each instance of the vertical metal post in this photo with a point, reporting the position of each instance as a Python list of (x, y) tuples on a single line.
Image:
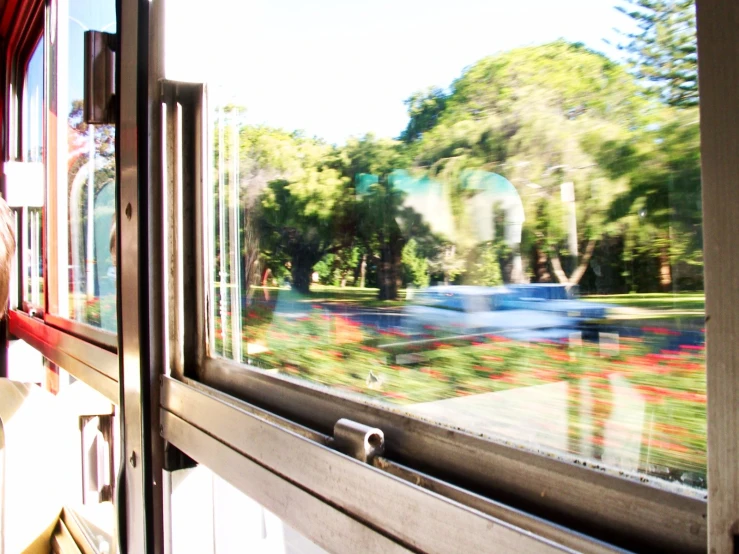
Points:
[(140, 286), (57, 221), (33, 247), (20, 247), (718, 52), (234, 228), (221, 240), (184, 106)]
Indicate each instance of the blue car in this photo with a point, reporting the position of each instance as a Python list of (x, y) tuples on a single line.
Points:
[(521, 311)]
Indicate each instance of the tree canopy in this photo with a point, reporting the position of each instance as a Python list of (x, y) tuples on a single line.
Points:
[(663, 50), (602, 168)]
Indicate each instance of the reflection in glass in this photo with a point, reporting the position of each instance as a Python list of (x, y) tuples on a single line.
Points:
[(34, 257), (33, 107), (32, 152), (523, 259), (90, 182)]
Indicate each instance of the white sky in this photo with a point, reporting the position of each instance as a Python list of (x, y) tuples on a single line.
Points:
[(337, 68)]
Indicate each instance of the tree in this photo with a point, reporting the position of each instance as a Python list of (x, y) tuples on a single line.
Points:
[(334, 269), (424, 109), (305, 217), (663, 51), (660, 212), (484, 266), (415, 266), (383, 224), (384, 231), (538, 116)]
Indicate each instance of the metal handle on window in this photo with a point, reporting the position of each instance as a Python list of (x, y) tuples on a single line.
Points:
[(99, 93), (186, 202)]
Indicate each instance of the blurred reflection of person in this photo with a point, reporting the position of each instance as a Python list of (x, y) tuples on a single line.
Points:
[(593, 416)]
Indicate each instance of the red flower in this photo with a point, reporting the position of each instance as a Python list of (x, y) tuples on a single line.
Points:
[(693, 346)]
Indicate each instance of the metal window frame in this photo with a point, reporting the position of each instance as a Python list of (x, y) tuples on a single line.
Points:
[(628, 513), (27, 38), (86, 352), (558, 489), (221, 441), (55, 162), (378, 493), (718, 51), (140, 286), (95, 366)]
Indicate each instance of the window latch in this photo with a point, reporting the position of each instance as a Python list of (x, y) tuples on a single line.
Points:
[(358, 441)]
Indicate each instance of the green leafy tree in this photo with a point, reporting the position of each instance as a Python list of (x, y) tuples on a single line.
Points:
[(424, 109), (383, 224), (663, 50), (660, 212), (538, 116), (304, 218), (334, 269), (484, 266), (415, 266)]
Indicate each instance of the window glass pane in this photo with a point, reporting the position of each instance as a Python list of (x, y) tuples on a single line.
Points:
[(90, 177), (32, 120), (33, 107), (481, 219)]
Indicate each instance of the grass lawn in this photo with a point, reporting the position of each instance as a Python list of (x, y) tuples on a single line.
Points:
[(654, 301)]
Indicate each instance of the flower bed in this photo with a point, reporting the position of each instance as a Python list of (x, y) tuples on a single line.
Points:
[(670, 384)]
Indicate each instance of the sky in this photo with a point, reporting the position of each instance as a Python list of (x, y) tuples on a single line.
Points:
[(341, 68)]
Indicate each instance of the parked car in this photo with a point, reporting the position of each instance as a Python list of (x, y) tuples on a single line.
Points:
[(523, 310), (554, 298)]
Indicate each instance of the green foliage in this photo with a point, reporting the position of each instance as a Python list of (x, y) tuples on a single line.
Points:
[(660, 212), (484, 266), (336, 269), (302, 217), (541, 116), (383, 225), (424, 109), (302, 212), (663, 50), (415, 267)]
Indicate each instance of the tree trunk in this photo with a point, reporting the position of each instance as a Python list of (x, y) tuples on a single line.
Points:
[(363, 270), (301, 273), (389, 271), (540, 266), (574, 279), (665, 271)]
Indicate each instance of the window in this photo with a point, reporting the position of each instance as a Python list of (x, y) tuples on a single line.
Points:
[(498, 234), (32, 153), (84, 177)]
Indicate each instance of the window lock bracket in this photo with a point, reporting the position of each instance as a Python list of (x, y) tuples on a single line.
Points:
[(357, 440)]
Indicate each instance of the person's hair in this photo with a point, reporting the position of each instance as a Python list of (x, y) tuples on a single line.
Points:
[(7, 252)]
